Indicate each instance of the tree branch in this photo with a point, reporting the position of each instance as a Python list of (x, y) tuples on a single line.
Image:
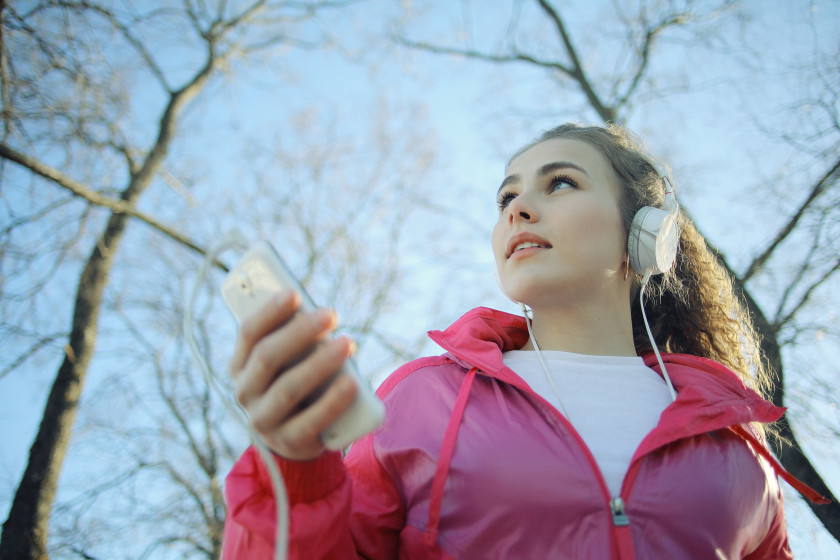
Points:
[(247, 13), (478, 55), (644, 57), (118, 206), (608, 114), (807, 295), (44, 341), (574, 70), (828, 179), (801, 272), (126, 32)]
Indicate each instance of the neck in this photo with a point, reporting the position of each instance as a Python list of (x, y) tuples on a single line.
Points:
[(584, 329)]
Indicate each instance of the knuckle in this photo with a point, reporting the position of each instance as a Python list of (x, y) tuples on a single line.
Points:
[(303, 433), (260, 359), (303, 329), (335, 402), (240, 393), (349, 389), (249, 331), (262, 424), (343, 394), (233, 367), (287, 394)]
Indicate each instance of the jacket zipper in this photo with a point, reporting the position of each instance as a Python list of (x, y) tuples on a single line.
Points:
[(621, 530), (620, 518)]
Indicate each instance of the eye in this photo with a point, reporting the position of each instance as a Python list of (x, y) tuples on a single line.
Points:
[(561, 182), (504, 199)]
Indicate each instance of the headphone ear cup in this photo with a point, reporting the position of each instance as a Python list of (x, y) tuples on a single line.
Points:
[(653, 240)]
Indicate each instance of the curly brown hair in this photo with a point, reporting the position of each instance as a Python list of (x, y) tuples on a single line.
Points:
[(692, 308)]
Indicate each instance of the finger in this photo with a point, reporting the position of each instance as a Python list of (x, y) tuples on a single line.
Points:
[(282, 350), (302, 432), (279, 310), (290, 391)]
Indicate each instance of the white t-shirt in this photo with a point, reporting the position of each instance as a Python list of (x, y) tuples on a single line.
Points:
[(612, 401)]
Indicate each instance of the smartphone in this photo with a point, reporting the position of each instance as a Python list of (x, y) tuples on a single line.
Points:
[(249, 286)]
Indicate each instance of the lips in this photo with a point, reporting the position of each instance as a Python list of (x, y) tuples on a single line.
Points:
[(525, 241)]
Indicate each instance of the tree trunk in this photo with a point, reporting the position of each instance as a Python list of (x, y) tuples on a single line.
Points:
[(787, 447), (25, 530)]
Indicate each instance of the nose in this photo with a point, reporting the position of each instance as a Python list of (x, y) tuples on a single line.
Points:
[(520, 210)]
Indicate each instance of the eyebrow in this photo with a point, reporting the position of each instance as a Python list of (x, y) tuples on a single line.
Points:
[(546, 169)]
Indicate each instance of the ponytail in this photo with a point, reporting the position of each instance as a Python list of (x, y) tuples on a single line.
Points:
[(692, 309)]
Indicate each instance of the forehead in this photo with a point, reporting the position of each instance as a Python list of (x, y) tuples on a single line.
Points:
[(560, 149)]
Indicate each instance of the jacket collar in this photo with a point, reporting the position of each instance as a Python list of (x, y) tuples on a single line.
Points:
[(709, 395), (479, 338)]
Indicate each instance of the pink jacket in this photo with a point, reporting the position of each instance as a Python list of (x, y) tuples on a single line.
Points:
[(471, 463)]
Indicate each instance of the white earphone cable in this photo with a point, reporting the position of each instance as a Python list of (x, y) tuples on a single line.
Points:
[(543, 364), (650, 336), (229, 241)]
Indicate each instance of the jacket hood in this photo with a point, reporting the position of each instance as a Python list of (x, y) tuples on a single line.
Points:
[(480, 337)]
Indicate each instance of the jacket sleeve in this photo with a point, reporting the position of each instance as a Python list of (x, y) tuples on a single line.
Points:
[(334, 511)]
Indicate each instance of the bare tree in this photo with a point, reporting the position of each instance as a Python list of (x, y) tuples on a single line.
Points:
[(159, 484), (67, 71), (610, 95), (174, 439), (349, 238)]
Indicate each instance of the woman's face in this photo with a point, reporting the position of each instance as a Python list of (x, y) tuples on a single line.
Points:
[(559, 237)]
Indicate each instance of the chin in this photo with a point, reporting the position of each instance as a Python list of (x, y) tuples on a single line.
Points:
[(551, 292), (528, 291)]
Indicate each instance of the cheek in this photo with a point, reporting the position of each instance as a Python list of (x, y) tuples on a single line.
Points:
[(599, 230), (497, 241)]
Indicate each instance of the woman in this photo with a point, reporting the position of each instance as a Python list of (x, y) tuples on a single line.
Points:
[(502, 449)]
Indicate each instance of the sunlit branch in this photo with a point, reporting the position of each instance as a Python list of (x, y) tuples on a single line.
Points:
[(801, 272), (246, 14), (819, 188), (806, 296), (126, 32), (32, 350)]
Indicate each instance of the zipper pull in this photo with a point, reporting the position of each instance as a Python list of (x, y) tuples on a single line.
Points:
[(620, 518)]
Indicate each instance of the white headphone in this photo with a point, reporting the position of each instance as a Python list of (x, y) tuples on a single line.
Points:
[(655, 236), (652, 246)]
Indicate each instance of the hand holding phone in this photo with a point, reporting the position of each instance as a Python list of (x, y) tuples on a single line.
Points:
[(248, 290)]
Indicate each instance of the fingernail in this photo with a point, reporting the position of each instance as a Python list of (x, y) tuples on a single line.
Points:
[(353, 348)]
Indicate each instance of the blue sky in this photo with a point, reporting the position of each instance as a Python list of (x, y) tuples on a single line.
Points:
[(703, 115)]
